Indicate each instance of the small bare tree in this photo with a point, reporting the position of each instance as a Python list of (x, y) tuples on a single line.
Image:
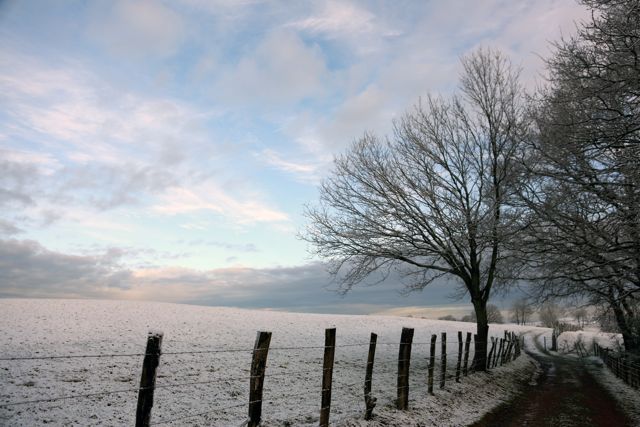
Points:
[(433, 200), (521, 311), (494, 315)]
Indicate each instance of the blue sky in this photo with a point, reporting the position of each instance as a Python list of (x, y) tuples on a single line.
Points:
[(164, 150)]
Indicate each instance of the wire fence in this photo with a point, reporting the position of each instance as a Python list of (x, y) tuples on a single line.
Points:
[(394, 373), (623, 365)]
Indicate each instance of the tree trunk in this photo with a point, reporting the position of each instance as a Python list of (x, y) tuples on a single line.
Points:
[(480, 355), (631, 340)]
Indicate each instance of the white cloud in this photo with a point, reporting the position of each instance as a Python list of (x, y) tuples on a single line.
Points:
[(337, 18), (302, 171), (137, 28), (281, 71), (210, 197)]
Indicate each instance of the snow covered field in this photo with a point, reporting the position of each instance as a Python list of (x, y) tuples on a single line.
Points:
[(293, 379)]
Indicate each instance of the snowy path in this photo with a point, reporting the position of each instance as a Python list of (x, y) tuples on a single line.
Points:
[(566, 394)]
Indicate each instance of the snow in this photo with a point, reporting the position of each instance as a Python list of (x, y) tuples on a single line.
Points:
[(294, 367), (568, 340)]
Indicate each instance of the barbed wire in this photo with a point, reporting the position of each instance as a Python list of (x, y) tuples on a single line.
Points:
[(210, 351), (75, 396)]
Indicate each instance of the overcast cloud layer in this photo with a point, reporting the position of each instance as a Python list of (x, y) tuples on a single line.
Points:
[(164, 149)]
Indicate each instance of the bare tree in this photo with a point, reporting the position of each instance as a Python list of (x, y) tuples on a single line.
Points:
[(521, 311), (580, 315), (494, 315), (433, 200), (550, 315), (583, 238)]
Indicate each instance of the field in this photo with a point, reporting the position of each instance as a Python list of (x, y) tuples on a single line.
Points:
[(212, 385)]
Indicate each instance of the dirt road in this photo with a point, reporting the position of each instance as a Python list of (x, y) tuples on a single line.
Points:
[(566, 394)]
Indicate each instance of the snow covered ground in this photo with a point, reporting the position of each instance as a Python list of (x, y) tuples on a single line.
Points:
[(219, 395)]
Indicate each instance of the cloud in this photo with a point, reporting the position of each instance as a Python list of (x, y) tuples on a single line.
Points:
[(282, 70), (27, 269), (103, 151), (137, 28), (9, 229), (336, 18), (303, 171), (249, 209), (239, 247)]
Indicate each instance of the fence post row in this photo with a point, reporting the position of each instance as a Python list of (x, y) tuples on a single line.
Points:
[(459, 356), (404, 357), (443, 360), (467, 343), (369, 401), (256, 381), (327, 375), (148, 378), (432, 362)]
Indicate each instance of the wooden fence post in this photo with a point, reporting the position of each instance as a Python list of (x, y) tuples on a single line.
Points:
[(467, 343), (404, 358), (545, 342), (500, 349), (554, 341), (327, 375), (256, 381), (369, 401), (443, 360), (459, 356), (491, 353), (496, 354), (475, 340), (432, 362), (148, 378)]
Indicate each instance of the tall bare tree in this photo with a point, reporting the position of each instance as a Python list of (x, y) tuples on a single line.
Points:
[(431, 201), (584, 194)]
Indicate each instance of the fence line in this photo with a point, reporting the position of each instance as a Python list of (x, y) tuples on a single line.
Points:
[(410, 376), (620, 365)]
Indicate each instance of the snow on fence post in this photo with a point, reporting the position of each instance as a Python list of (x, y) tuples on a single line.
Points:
[(443, 360), (432, 362), (404, 358), (490, 358), (148, 378), (467, 343), (370, 402), (459, 356), (327, 375), (256, 381)]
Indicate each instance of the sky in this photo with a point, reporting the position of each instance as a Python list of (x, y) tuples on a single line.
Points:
[(165, 150)]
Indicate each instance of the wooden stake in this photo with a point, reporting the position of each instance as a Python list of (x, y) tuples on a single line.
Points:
[(256, 381), (327, 375), (369, 401), (443, 360), (467, 343), (459, 356), (491, 353), (148, 378), (404, 359), (432, 362)]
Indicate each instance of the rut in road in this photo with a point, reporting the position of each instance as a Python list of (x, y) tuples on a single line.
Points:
[(566, 394)]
